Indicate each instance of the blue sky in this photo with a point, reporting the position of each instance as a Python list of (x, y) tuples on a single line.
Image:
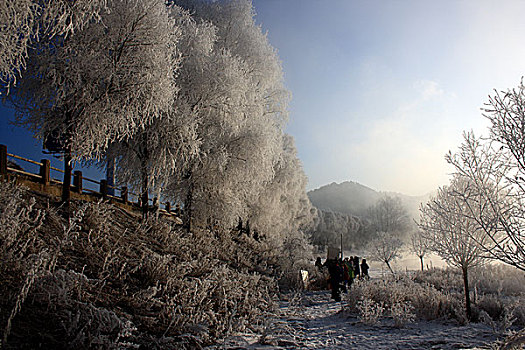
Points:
[(381, 89)]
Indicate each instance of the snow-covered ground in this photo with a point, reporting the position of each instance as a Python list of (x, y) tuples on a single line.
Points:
[(312, 321)]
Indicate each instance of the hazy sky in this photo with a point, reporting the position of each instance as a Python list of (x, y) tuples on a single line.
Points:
[(383, 89)]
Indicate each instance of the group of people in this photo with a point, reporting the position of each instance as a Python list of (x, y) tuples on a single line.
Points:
[(343, 272)]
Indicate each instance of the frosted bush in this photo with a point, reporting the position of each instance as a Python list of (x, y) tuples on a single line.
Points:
[(507, 319), (294, 253), (82, 324), (491, 305), (22, 260), (370, 312), (499, 279), (318, 279), (97, 218), (441, 279), (437, 294), (496, 279), (500, 325), (519, 311), (19, 221), (178, 289), (485, 318), (514, 341), (428, 303), (402, 313)]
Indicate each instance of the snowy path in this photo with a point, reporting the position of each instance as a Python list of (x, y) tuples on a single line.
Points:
[(314, 322)]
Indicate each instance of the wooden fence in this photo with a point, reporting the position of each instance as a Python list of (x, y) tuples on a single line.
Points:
[(46, 181)]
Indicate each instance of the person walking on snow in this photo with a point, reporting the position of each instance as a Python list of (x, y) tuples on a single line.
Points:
[(336, 277), (357, 272), (348, 272), (364, 269)]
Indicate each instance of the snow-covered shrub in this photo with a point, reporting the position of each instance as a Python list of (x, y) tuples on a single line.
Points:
[(491, 305), (370, 312), (519, 311), (22, 258), (499, 279), (507, 320), (402, 313), (485, 318), (19, 220), (106, 279), (495, 279), (295, 253), (437, 294), (279, 334), (441, 279), (318, 279), (514, 341), (61, 299), (496, 288), (428, 303), (500, 325)]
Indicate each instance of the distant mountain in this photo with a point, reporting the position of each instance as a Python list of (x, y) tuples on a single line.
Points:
[(353, 198), (347, 197)]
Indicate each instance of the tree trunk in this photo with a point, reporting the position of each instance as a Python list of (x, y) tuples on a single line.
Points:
[(389, 267), (421, 259), (341, 246), (144, 174), (66, 185), (467, 294), (68, 169), (188, 205), (144, 192)]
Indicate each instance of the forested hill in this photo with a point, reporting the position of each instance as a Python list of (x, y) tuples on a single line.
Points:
[(353, 198)]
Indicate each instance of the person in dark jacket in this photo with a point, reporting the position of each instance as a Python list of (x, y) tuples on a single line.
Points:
[(348, 269), (357, 271), (364, 269), (336, 277), (318, 263)]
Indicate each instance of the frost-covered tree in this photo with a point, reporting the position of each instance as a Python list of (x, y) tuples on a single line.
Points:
[(329, 225), (452, 232), (113, 77), (495, 167), (25, 22), (236, 91), (386, 248), (238, 33), (213, 89), (389, 215), (162, 149), (419, 246), (18, 30), (283, 206)]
